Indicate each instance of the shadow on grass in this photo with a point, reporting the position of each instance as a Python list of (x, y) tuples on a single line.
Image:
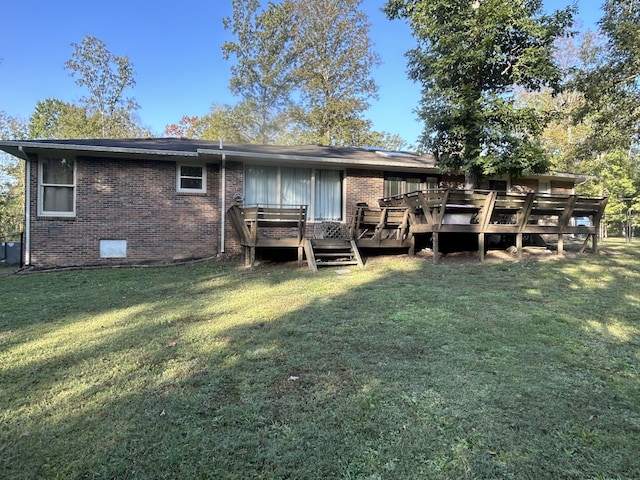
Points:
[(405, 370)]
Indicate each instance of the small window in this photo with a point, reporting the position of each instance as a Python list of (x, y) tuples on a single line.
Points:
[(57, 187), (498, 185), (398, 184), (192, 178)]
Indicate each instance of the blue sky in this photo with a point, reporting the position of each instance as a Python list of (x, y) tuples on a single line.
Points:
[(175, 50)]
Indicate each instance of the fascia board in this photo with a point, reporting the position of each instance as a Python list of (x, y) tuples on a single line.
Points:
[(300, 159)]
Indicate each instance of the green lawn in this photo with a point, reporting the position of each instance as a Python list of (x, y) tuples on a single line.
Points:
[(402, 370)]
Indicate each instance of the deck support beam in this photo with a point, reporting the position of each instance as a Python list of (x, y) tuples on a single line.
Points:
[(519, 245), (434, 241)]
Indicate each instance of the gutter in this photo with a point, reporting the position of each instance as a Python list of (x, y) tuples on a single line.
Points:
[(27, 206), (223, 199)]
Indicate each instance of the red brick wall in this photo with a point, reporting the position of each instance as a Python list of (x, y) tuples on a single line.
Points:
[(363, 186), (234, 188), (562, 188), (128, 200)]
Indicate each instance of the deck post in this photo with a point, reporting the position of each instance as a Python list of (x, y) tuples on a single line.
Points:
[(412, 246), (519, 245), (481, 246), (434, 238), (560, 244)]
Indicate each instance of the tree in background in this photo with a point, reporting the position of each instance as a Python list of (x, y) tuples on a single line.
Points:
[(470, 58), (106, 77), (334, 65), (54, 119), (263, 73), (609, 80), (304, 69), (11, 179)]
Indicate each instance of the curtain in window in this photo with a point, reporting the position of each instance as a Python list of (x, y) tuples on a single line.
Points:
[(57, 199), (392, 186), (261, 185), (295, 186), (413, 185), (328, 195), (57, 171), (57, 185)]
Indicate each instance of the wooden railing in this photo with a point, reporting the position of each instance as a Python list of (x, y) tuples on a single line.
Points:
[(480, 212)]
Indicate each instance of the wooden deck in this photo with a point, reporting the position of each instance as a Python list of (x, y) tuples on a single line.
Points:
[(284, 227), (398, 220), (268, 226)]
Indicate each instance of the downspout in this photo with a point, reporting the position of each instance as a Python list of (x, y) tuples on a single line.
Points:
[(27, 206), (223, 200)]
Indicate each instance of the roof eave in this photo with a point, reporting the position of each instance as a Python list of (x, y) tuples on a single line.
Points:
[(332, 161), (15, 147)]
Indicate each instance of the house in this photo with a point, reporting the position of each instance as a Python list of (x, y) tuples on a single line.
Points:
[(117, 201)]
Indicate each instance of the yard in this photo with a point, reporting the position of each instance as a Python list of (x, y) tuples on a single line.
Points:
[(402, 370)]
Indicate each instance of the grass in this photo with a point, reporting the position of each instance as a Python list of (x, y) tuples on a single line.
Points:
[(402, 370)]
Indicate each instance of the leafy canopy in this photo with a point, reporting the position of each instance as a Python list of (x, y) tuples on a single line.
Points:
[(470, 59)]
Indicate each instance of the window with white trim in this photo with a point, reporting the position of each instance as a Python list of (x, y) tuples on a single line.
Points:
[(57, 187), (191, 178), (398, 183), (321, 190)]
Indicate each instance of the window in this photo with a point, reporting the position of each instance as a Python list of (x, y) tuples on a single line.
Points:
[(398, 184), (192, 178), (57, 187), (268, 185), (498, 185)]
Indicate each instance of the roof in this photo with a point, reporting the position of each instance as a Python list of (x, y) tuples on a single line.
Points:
[(173, 149)]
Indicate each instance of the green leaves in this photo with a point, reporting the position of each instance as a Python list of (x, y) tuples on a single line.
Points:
[(470, 59), (302, 66), (106, 77)]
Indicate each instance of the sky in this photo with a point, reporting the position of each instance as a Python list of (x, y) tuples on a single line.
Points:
[(175, 49)]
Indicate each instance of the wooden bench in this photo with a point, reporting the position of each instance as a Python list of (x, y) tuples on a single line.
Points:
[(264, 226)]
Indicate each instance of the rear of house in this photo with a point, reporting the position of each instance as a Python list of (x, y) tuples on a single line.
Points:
[(105, 202)]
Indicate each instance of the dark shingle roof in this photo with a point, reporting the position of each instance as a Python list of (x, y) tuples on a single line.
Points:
[(183, 147)]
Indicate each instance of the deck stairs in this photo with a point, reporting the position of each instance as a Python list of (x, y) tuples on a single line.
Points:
[(329, 252)]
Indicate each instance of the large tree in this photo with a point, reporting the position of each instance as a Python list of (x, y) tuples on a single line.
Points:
[(471, 58), (263, 73), (106, 76), (610, 78), (335, 59), (304, 68), (11, 179)]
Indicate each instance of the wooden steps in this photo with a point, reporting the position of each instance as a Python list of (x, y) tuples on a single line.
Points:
[(331, 253)]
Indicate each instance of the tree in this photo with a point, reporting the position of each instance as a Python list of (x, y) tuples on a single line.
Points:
[(11, 179), (335, 59), (303, 69), (55, 119), (263, 73), (470, 58), (106, 77), (610, 78)]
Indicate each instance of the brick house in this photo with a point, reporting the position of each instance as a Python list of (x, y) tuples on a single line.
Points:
[(117, 201)]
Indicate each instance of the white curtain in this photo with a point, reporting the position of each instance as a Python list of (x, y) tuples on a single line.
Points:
[(295, 186), (328, 195), (261, 185)]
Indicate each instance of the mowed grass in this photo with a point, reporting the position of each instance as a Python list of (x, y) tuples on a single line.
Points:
[(402, 370)]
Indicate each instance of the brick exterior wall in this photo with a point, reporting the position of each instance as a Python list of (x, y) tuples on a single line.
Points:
[(137, 201), (363, 186), (128, 200), (234, 189)]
